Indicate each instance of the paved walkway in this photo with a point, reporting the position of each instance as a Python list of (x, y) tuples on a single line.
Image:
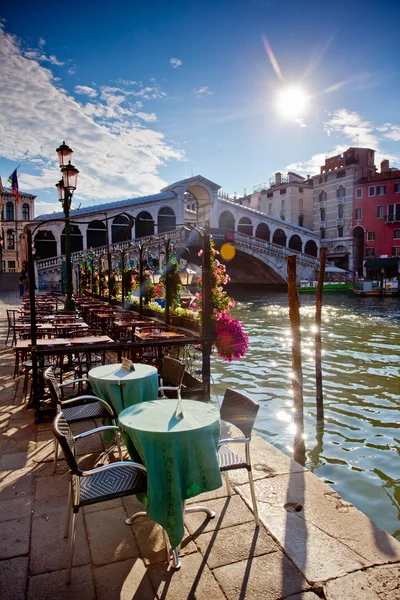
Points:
[(311, 545)]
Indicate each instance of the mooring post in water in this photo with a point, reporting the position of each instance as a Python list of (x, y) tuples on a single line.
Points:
[(318, 344), (297, 379)]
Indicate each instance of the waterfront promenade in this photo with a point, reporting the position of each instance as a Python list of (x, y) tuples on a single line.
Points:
[(311, 544)]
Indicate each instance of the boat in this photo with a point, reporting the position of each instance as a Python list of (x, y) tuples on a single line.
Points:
[(388, 287), (329, 286)]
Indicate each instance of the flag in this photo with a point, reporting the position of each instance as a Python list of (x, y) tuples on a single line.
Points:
[(13, 179)]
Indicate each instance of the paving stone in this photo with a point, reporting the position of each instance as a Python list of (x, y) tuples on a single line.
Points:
[(317, 555), (304, 596), (150, 539), (323, 507), (49, 548), (13, 578), (125, 580), (15, 509), (42, 508), (221, 492), (233, 544), (376, 583), (17, 483), (51, 586), (110, 539), (230, 511), (102, 506), (13, 462), (51, 487), (9, 445), (14, 538), (268, 577), (193, 581)]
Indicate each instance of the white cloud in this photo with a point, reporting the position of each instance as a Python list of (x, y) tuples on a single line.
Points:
[(86, 90), (312, 166), (41, 57), (149, 117), (116, 157), (175, 62), (352, 126), (203, 91), (42, 42)]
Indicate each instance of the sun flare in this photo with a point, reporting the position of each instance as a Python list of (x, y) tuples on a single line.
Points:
[(293, 101)]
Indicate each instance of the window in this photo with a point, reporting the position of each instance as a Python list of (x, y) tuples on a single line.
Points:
[(371, 236), (320, 180), (341, 173), (25, 212), (9, 211), (325, 178), (270, 208), (340, 211), (300, 190), (390, 213), (301, 204), (282, 191), (370, 252), (322, 234), (397, 212), (396, 234), (322, 196), (340, 192), (301, 221), (358, 214), (397, 188), (371, 191), (396, 251), (322, 214), (380, 212), (11, 266), (270, 194), (380, 190), (359, 193), (340, 231), (10, 240)]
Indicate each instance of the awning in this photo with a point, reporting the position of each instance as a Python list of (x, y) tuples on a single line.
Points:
[(373, 263)]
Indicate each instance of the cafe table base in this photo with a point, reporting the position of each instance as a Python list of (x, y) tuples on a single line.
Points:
[(175, 551)]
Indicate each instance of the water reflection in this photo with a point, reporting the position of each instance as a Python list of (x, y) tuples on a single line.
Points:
[(358, 451)]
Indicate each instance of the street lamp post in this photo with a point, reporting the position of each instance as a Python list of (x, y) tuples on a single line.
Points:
[(66, 187)]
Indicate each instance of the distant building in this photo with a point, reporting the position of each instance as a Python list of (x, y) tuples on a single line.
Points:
[(333, 201), (376, 222), (13, 221), (288, 197)]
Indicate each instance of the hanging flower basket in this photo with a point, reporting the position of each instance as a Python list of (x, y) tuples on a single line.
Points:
[(231, 341)]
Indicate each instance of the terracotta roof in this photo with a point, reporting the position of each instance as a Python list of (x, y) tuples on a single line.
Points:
[(389, 176)]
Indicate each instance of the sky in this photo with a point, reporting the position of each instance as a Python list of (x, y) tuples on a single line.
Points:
[(149, 93)]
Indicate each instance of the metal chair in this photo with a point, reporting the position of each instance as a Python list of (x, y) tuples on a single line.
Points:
[(172, 371), (79, 408), (115, 480), (11, 320), (107, 482), (239, 410)]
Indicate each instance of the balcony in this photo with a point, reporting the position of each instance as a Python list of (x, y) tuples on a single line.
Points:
[(322, 224), (340, 222), (322, 204), (340, 200)]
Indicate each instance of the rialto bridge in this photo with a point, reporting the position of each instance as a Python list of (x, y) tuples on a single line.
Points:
[(262, 243)]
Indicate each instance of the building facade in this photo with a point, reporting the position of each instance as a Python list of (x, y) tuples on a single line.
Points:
[(376, 222), (14, 218), (333, 202), (290, 198)]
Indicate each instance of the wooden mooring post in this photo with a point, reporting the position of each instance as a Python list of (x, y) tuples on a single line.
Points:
[(297, 372), (318, 343)]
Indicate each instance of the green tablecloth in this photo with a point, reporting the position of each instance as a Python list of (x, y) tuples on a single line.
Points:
[(180, 456), (124, 388)]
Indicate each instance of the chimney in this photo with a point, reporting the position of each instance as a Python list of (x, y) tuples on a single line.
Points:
[(385, 166), (278, 178)]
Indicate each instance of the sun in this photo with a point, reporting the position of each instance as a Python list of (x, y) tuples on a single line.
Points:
[(293, 101)]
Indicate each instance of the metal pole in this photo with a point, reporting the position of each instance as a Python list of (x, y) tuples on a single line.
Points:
[(69, 303), (140, 280), (108, 259), (167, 283), (318, 344), (31, 276), (123, 276), (208, 329)]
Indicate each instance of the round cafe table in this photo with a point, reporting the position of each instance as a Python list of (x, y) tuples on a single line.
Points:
[(180, 455), (123, 388)]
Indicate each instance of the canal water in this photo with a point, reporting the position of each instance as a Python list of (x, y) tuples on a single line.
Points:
[(358, 451)]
